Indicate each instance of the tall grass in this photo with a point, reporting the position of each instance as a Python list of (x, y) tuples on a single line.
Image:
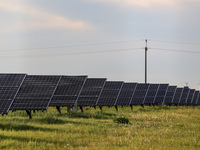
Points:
[(149, 128)]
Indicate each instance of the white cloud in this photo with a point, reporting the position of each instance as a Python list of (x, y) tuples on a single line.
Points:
[(33, 18)]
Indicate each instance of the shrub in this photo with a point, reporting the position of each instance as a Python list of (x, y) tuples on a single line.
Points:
[(122, 120)]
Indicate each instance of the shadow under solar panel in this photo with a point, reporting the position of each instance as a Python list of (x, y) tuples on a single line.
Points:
[(36, 92), (9, 87)]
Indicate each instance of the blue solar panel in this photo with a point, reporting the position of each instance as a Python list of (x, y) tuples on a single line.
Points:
[(9, 87), (139, 94), (162, 90), (35, 93), (91, 91), (68, 91), (169, 95), (110, 93), (184, 96), (126, 94), (190, 97), (198, 100), (177, 96), (151, 93), (195, 98)]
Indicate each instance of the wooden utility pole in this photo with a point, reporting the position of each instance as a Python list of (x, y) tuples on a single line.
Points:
[(146, 62)]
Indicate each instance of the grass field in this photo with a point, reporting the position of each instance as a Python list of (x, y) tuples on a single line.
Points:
[(149, 128)]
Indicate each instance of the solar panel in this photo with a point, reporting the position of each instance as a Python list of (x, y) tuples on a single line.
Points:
[(36, 92), (151, 93), (184, 96), (110, 93), (91, 91), (126, 94), (169, 95), (177, 96), (9, 86), (195, 98), (162, 90), (190, 97), (198, 100), (139, 94), (68, 90)]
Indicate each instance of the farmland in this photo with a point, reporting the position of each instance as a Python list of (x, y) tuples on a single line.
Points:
[(160, 127)]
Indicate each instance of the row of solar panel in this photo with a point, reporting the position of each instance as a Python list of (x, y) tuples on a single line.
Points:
[(38, 92)]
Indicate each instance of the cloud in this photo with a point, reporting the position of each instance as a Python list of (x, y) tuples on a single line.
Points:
[(33, 18), (148, 3)]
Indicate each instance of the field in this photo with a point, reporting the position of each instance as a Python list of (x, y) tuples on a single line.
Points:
[(159, 127)]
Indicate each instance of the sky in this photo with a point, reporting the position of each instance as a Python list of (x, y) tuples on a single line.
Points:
[(103, 39)]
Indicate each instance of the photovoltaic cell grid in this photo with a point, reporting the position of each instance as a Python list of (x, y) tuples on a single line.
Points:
[(190, 97), (184, 96), (162, 90), (126, 94), (195, 98), (170, 95), (151, 93), (177, 96), (68, 90), (198, 100), (9, 86), (91, 91), (139, 94), (35, 93), (110, 93)]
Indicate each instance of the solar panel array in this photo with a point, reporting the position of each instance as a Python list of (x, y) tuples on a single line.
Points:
[(38, 92)]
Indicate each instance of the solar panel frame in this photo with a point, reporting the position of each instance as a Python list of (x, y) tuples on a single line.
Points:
[(161, 94), (91, 92), (126, 94), (9, 87), (110, 93), (151, 93), (36, 92), (139, 94), (68, 91), (171, 90)]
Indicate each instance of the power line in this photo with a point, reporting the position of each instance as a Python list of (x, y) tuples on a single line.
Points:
[(76, 45), (71, 53), (189, 43), (173, 50)]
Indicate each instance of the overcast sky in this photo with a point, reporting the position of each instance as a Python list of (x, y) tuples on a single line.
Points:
[(102, 38)]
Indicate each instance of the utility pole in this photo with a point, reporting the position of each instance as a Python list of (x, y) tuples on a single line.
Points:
[(146, 62)]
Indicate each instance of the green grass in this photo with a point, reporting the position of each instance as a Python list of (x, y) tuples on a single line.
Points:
[(149, 128)]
